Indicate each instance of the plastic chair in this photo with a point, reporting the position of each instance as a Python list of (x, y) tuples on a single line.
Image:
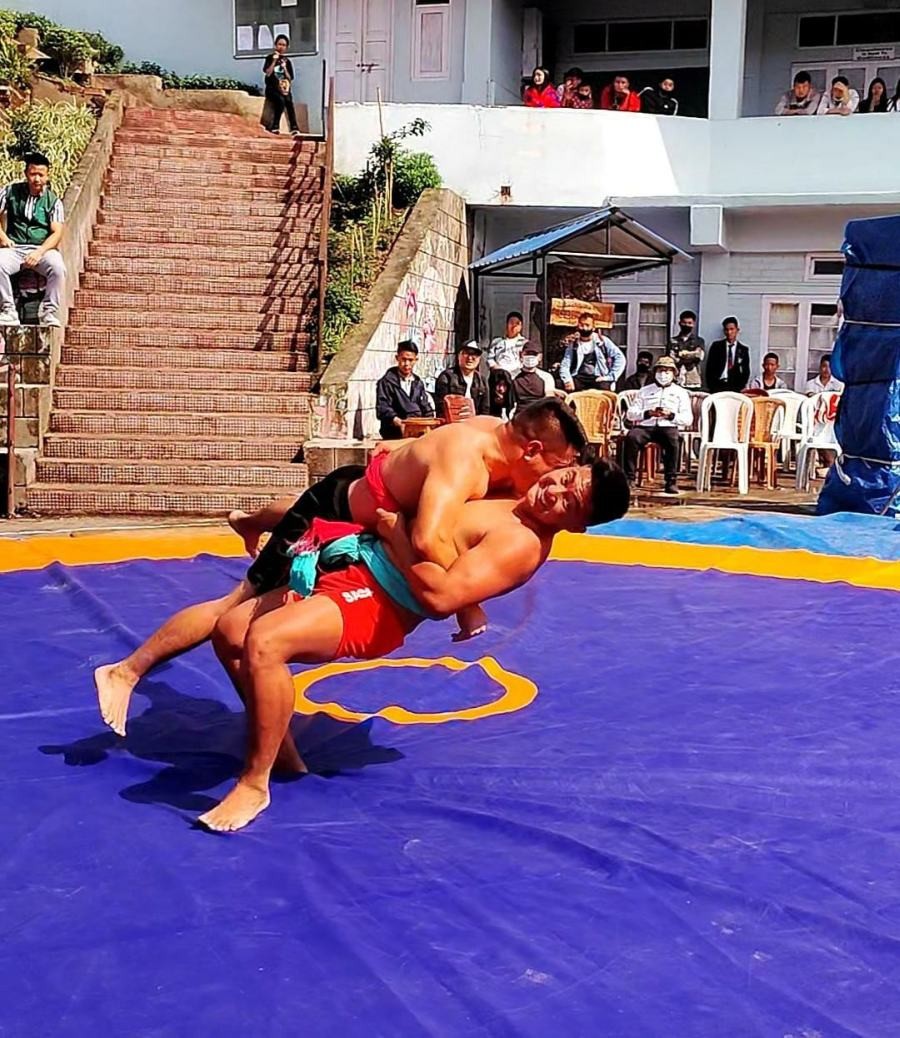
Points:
[(625, 400), (596, 410), (691, 436), (789, 434), (457, 407), (733, 414), (817, 416), (768, 414)]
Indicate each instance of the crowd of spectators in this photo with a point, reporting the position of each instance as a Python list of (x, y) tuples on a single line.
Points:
[(839, 99), (617, 96)]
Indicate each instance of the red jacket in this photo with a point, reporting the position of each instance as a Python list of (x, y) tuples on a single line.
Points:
[(546, 97), (632, 102)]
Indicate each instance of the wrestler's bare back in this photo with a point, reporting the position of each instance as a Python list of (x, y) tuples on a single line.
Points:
[(463, 449)]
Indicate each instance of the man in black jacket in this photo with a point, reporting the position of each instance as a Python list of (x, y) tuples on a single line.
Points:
[(464, 379), (728, 363), (400, 394)]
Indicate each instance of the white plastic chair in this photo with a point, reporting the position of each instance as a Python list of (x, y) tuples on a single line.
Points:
[(626, 398), (734, 416), (790, 434), (817, 422)]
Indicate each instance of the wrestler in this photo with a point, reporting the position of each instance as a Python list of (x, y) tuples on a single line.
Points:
[(500, 544), (430, 477)]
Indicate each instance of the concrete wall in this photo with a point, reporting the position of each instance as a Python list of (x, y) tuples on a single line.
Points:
[(427, 91), (416, 297)]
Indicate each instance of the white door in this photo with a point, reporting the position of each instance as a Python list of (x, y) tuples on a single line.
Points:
[(362, 49)]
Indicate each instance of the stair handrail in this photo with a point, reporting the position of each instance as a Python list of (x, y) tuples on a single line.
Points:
[(325, 220)]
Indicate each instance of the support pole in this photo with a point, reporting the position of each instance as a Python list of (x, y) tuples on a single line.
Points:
[(10, 438)]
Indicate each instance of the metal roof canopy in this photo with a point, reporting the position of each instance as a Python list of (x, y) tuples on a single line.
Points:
[(607, 240)]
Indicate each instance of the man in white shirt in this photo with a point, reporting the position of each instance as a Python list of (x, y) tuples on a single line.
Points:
[(842, 99), (825, 382), (658, 413), (505, 352), (769, 379)]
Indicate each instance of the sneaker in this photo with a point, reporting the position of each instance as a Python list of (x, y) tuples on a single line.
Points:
[(9, 316), (296, 133), (48, 317)]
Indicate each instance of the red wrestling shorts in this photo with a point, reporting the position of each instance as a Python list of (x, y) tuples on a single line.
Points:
[(375, 479), (374, 624)]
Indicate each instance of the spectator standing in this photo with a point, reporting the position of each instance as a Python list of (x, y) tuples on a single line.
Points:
[(894, 103), (840, 100), (660, 100), (687, 349), (505, 352), (877, 98), (400, 394), (619, 97), (33, 221), (658, 413), (279, 73), (769, 378), (824, 382), (464, 379), (642, 373), (801, 99), (532, 383), (568, 89), (591, 360), (540, 92), (728, 366)]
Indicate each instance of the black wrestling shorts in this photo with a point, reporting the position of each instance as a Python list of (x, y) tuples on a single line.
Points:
[(327, 499)]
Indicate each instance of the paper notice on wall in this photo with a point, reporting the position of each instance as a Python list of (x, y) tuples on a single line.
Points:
[(288, 3), (264, 38), (282, 29), (245, 37)]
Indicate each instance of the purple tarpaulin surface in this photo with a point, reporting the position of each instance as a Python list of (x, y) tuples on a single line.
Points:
[(692, 831)]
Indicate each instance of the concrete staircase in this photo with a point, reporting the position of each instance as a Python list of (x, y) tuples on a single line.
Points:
[(183, 381)]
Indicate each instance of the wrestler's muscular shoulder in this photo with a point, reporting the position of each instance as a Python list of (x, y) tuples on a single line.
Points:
[(456, 453)]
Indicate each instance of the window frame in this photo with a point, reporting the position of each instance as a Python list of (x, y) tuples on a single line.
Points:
[(671, 49), (804, 306), (828, 279)]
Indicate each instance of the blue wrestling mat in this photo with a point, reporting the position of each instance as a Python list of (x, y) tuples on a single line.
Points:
[(672, 812)]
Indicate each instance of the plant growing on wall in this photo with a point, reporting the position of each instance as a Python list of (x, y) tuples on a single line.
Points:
[(59, 131), (172, 81)]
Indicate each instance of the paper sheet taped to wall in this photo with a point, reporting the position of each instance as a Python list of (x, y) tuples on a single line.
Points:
[(245, 37), (288, 3), (264, 39), (281, 29)]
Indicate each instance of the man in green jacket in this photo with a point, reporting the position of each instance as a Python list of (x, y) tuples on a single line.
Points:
[(31, 227)]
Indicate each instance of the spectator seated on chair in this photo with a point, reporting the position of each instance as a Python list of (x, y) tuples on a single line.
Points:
[(532, 383), (591, 360), (33, 223), (824, 382), (506, 350), (464, 379), (769, 379), (658, 413), (643, 373), (400, 394), (502, 394)]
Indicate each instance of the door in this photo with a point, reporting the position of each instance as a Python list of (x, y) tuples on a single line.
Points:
[(362, 49)]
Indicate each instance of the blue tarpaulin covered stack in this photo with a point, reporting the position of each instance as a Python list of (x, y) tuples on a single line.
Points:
[(867, 359)]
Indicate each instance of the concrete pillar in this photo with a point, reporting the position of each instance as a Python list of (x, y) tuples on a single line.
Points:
[(477, 55), (727, 44), (715, 289)]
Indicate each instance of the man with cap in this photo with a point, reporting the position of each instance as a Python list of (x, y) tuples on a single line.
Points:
[(658, 413), (463, 379), (532, 383)]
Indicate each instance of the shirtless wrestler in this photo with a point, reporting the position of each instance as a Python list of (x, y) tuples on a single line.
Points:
[(499, 544), (430, 477)]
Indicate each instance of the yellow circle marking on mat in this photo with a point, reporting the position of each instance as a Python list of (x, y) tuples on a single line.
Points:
[(518, 692)]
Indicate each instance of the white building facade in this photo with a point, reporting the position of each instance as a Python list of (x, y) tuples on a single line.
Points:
[(758, 201)]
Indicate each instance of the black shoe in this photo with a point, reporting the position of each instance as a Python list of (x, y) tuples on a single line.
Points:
[(670, 490)]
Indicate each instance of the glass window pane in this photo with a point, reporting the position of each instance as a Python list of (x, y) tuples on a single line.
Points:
[(619, 331), (652, 331), (691, 34), (784, 313), (640, 36), (589, 38), (883, 27), (857, 76), (817, 31)]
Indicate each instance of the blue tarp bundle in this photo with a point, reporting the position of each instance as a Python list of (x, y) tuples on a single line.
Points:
[(867, 359)]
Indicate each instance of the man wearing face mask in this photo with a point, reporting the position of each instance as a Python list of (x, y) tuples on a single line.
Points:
[(687, 349), (591, 360), (642, 373), (659, 411), (532, 383)]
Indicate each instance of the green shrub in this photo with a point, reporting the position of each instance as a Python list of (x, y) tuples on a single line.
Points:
[(108, 56), (68, 47), (15, 68), (60, 131), (172, 81), (414, 172)]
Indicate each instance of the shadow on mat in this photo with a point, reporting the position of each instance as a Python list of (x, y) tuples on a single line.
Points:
[(202, 742)]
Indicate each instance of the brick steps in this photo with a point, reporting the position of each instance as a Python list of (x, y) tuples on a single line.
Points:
[(189, 338), (196, 185), (288, 273), (138, 237), (96, 299), (156, 473), (185, 402), (60, 499), (236, 253), (72, 376), (137, 448), (214, 163), (131, 213), (131, 143), (262, 289), (201, 426), (179, 358), (184, 321), (303, 208)]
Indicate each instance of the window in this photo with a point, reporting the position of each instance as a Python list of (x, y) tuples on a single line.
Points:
[(817, 31), (847, 30), (640, 36), (431, 39), (827, 267), (653, 327), (619, 331), (800, 332)]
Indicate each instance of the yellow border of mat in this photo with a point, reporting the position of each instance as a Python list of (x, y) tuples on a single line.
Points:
[(184, 543)]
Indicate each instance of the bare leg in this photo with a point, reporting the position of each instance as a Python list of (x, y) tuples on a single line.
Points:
[(251, 526), (185, 630), (228, 642), (309, 631)]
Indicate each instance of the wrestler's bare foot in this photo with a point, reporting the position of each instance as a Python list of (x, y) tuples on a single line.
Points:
[(289, 762), (115, 683), (243, 525), (238, 809)]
